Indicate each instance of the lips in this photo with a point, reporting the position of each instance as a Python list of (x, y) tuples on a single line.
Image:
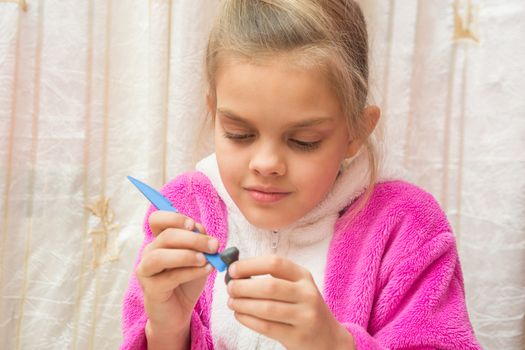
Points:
[(266, 194)]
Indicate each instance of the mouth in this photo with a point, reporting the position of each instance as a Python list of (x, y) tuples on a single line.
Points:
[(266, 194)]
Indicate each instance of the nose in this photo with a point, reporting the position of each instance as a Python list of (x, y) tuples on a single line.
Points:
[(267, 160)]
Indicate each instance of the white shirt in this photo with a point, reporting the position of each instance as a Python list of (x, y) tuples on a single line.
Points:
[(305, 242)]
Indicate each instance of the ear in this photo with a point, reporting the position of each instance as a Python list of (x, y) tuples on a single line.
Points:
[(211, 102), (371, 116)]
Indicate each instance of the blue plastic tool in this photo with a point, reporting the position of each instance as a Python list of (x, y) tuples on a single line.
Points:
[(162, 203)]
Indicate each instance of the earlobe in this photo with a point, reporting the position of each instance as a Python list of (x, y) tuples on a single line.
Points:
[(353, 147)]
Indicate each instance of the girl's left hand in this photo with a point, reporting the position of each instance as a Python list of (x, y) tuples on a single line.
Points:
[(286, 306)]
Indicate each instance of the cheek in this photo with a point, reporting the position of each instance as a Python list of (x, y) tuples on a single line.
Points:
[(319, 173), (230, 164), (317, 178)]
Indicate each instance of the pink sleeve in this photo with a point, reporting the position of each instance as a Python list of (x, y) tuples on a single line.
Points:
[(395, 280), (134, 317), (200, 334), (422, 303)]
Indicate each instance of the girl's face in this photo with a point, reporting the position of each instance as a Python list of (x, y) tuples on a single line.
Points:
[(280, 137)]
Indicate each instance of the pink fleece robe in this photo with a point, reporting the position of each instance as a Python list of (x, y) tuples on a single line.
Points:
[(392, 278)]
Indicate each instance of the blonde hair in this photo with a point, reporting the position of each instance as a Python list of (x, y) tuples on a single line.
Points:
[(327, 34)]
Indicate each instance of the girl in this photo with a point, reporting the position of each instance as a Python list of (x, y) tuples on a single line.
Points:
[(340, 257)]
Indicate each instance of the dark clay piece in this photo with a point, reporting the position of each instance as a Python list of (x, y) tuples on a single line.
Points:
[(229, 256)]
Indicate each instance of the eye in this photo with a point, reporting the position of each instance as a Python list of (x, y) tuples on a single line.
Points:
[(305, 146), (238, 137)]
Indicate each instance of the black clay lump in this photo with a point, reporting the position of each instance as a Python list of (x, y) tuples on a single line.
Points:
[(229, 256)]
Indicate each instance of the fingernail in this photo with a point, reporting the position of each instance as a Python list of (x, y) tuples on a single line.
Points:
[(232, 270), (208, 267), (188, 224), (201, 259), (230, 303), (213, 244)]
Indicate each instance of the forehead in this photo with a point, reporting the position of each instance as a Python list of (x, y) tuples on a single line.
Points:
[(275, 86)]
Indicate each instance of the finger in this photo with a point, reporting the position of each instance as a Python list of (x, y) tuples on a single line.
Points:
[(274, 330), (171, 279), (269, 310), (200, 228), (160, 220), (159, 260), (263, 288), (182, 239), (274, 265)]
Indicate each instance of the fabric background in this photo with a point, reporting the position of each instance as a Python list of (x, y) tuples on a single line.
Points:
[(92, 91)]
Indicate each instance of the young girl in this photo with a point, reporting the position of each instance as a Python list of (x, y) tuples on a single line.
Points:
[(334, 253)]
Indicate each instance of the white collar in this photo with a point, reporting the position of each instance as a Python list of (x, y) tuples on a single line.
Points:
[(351, 183)]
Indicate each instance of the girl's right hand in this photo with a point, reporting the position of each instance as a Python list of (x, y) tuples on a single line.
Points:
[(173, 271)]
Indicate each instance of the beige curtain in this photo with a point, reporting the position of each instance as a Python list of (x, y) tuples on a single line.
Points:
[(92, 91)]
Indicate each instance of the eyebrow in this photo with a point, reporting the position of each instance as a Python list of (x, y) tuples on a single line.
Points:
[(303, 124), (232, 116)]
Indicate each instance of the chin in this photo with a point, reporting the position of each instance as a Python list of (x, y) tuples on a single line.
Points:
[(267, 222)]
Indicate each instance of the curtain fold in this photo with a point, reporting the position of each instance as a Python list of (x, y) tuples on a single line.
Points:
[(93, 91)]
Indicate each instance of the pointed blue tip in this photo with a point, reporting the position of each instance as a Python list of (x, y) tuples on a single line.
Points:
[(162, 203)]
